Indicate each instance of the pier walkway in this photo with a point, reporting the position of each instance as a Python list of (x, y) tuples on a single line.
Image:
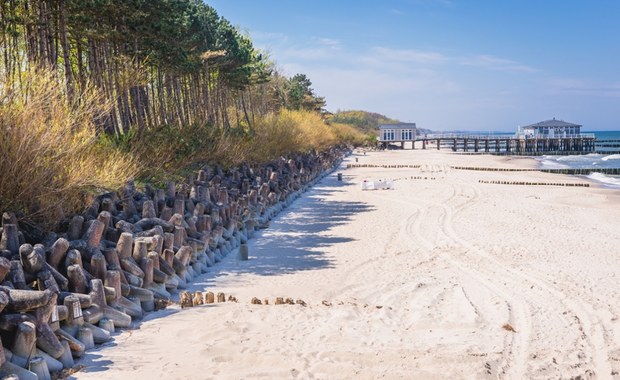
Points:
[(511, 144)]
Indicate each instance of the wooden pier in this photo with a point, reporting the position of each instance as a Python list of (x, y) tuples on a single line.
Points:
[(512, 144), (607, 146)]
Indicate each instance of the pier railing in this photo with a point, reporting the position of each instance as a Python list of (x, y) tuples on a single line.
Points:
[(436, 136)]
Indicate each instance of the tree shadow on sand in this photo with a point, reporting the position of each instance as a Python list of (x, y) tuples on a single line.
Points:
[(295, 240)]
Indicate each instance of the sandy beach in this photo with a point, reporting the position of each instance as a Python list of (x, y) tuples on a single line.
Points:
[(439, 278)]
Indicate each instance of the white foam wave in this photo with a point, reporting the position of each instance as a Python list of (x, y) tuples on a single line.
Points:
[(581, 158), (611, 157), (606, 180), (550, 164)]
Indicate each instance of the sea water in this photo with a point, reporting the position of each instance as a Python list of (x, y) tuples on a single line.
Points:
[(592, 160)]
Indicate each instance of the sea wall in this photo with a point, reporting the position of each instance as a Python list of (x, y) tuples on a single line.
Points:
[(128, 254)]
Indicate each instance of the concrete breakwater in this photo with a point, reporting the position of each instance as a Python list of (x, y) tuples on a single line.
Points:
[(128, 254)]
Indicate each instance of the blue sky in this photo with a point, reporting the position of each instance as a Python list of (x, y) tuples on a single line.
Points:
[(448, 64)]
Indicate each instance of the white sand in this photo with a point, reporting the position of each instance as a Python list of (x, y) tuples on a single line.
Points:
[(421, 280)]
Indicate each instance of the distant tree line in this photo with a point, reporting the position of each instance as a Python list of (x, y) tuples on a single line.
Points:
[(159, 62)]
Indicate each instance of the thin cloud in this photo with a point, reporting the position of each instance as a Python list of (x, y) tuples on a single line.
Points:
[(397, 12), (409, 55), (441, 3), (269, 37), (306, 54), (317, 49), (582, 87), (495, 63), (429, 57), (330, 42)]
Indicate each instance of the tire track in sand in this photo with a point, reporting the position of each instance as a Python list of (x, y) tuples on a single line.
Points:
[(514, 363), (590, 326)]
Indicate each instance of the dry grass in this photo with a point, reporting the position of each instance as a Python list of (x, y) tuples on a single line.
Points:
[(53, 161), (351, 135), (286, 132), (170, 153), (50, 159)]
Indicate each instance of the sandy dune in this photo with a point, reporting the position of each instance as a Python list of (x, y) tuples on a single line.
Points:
[(423, 281)]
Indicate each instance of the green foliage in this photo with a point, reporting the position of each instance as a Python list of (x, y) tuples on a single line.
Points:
[(300, 95), (138, 88), (367, 122), (121, 142)]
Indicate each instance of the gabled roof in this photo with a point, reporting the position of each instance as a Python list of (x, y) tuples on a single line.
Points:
[(552, 123)]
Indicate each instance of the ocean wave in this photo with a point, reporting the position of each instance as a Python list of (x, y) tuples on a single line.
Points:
[(580, 158), (611, 157), (608, 181), (550, 164)]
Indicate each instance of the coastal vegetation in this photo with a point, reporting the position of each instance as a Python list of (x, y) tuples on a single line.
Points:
[(363, 120), (94, 93)]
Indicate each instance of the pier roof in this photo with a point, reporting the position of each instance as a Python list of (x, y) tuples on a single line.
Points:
[(397, 126), (552, 123)]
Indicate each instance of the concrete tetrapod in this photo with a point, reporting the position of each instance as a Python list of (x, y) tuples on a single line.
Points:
[(131, 248), (115, 310)]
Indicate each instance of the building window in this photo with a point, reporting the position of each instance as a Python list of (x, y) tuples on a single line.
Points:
[(407, 134), (388, 135)]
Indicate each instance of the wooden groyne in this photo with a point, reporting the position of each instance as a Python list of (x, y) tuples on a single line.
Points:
[(583, 171), (580, 171), (526, 183), (400, 166), (477, 168), (128, 254), (608, 145)]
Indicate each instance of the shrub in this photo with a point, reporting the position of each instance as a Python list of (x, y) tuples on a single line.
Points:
[(168, 153), (286, 132), (50, 160)]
